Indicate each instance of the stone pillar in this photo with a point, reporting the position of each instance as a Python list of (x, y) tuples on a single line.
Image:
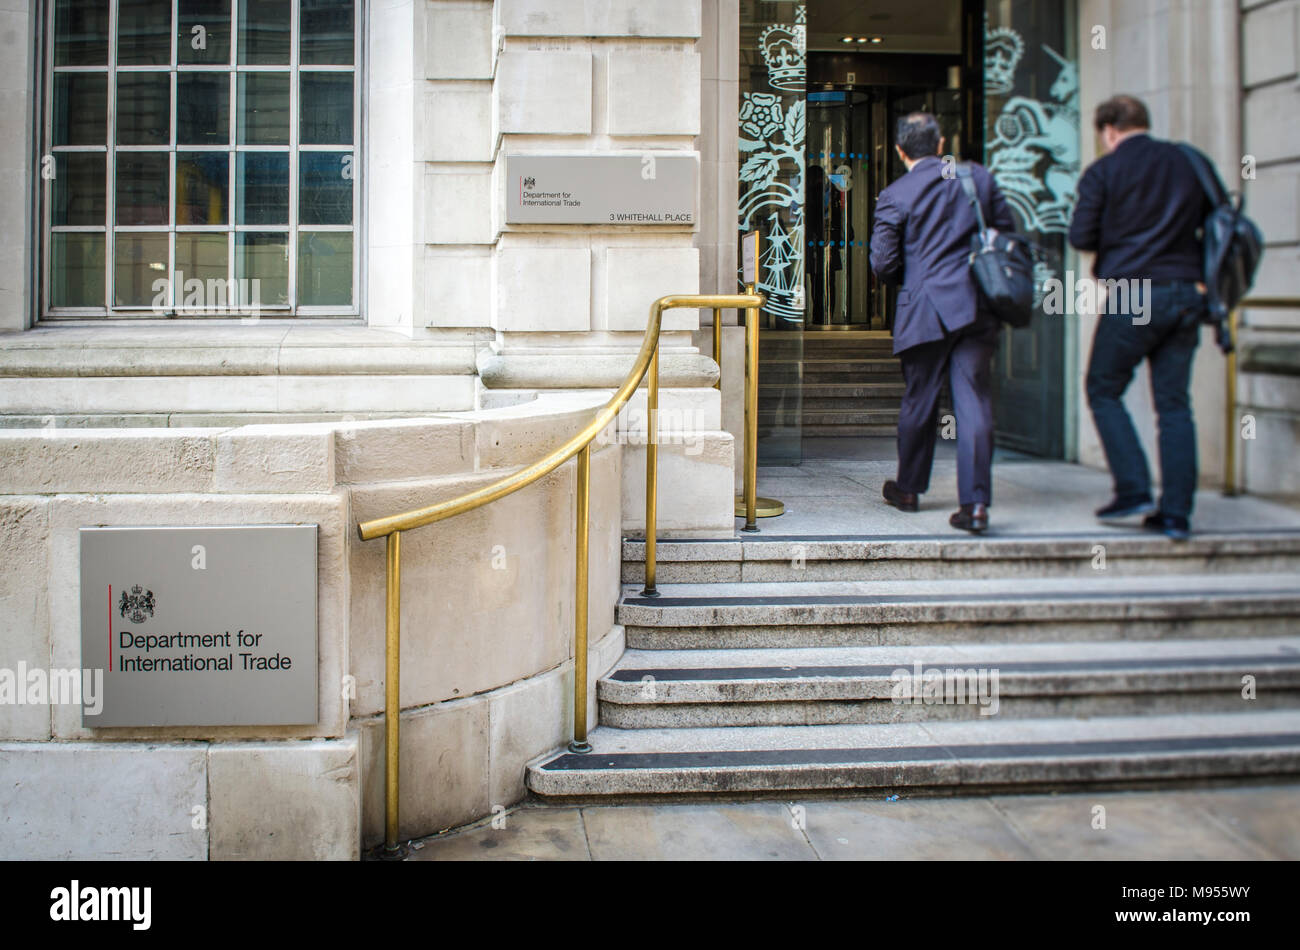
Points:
[(18, 45)]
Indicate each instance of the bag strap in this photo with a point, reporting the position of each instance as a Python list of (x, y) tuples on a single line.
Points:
[(967, 179), (1208, 177)]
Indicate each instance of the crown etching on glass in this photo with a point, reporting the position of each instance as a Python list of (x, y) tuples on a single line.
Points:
[(1003, 50), (784, 48)]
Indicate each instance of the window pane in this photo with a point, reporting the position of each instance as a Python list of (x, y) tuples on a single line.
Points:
[(144, 108), (78, 189), (325, 109), (262, 188), (324, 268), (80, 109), (141, 193), (81, 35), (326, 32), (264, 258), (263, 109), (76, 270), (324, 187), (210, 43), (144, 29), (140, 270), (263, 32), (202, 187), (203, 108), (202, 258)]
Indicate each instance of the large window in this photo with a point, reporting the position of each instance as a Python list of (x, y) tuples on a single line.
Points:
[(199, 158)]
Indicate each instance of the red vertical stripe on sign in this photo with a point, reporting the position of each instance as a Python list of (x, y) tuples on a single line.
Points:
[(110, 628)]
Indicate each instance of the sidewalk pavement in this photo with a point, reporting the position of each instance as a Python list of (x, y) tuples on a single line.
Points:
[(1223, 824)]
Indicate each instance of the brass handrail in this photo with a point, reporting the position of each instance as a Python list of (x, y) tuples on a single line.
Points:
[(645, 365), (1231, 433)]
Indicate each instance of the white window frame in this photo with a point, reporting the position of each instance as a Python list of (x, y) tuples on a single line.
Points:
[(109, 229)]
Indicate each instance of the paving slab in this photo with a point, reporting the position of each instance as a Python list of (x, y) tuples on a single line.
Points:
[(761, 831), (926, 830), (526, 834)]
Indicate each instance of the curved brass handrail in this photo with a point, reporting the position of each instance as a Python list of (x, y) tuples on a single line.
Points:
[(392, 527), (418, 518)]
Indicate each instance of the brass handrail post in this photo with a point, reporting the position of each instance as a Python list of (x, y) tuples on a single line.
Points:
[(717, 344), (580, 743), (1230, 432), (751, 417), (392, 691), (651, 470)]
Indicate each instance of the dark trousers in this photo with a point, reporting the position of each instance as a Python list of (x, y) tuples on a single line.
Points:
[(1168, 342), (966, 359)]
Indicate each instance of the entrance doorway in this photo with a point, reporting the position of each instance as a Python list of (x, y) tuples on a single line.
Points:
[(822, 88)]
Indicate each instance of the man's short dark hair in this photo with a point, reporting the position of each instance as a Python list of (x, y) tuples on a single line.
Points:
[(1124, 114), (918, 135)]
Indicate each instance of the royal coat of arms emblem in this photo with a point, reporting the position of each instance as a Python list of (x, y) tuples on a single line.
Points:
[(137, 604)]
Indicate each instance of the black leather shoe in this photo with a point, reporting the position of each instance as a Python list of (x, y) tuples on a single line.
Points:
[(972, 518), (901, 499), (1122, 509), (1171, 526)]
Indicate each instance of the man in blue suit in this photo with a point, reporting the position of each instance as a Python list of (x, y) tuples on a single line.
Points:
[(922, 240)]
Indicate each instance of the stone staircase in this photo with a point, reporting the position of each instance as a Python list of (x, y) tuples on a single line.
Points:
[(771, 665), (852, 384)]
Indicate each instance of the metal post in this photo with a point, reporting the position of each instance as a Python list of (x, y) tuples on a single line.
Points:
[(717, 344), (1230, 433), (392, 691), (651, 474), (579, 743), (751, 417)]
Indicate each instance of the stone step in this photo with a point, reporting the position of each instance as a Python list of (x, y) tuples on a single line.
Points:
[(1010, 610), (960, 756), (771, 558), (834, 418), (828, 371), (738, 688)]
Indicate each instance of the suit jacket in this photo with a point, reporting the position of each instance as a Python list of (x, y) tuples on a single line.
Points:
[(1139, 208), (922, 240)]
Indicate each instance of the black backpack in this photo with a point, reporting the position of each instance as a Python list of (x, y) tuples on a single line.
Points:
[(1003, 265), (1233, 245)]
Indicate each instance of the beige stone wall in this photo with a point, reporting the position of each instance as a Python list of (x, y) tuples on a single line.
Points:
[(1270, 37), (17, 176), (487, 620)]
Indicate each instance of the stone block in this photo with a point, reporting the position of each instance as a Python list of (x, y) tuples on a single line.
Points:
[(285, 801), (696, 481), (458, 206), (24, 603), (653, 93), (458, 40), (679, 18), (92, 801), (543, 289), (396, 449), (525, 720), (458, 288), (486, 596), (458, 122), (635, 277), (275, 458), (88, 460), (543, 92), (444, 770)]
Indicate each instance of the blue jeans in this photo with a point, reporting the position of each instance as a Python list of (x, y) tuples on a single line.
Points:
[(1168, 342)]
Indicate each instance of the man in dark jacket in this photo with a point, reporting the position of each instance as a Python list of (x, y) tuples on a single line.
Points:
[(922, 240), (1140, 207)]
